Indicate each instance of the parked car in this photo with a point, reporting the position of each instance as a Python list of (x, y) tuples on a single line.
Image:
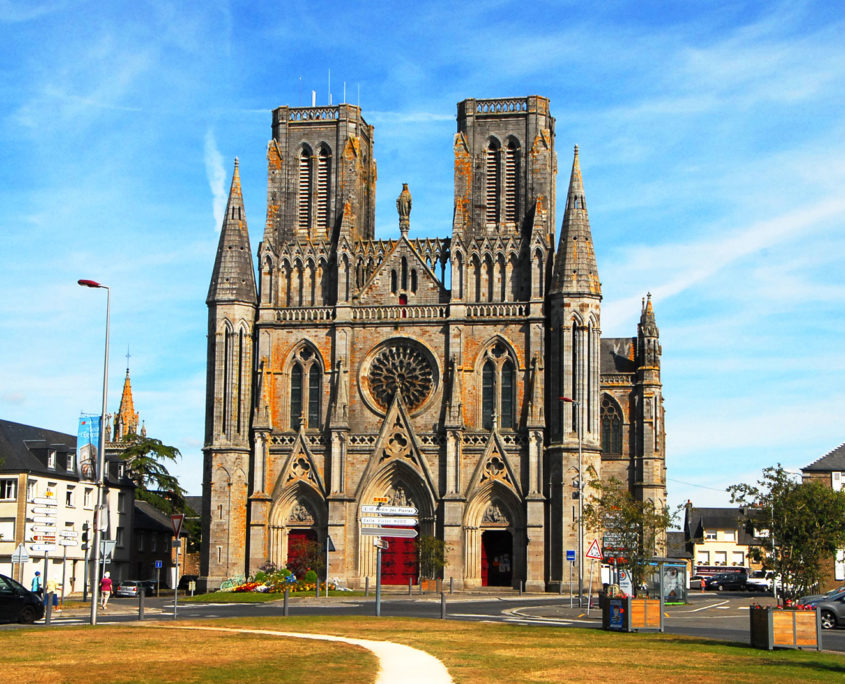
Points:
[(131, 588), (831, 609), (805, 600), (727, 580), (760, 580), (17, 603)]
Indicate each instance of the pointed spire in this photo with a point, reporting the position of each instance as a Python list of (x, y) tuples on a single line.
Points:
[(575, 263), (126, 420), (233, 278), (648, 336), (648, 325)]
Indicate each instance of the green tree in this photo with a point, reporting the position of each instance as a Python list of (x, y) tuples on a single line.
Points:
[(804, 521), (636, 526), (432, 555), (145, 459)]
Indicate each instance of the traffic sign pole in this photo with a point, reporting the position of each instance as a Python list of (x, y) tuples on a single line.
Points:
[(378, 581)]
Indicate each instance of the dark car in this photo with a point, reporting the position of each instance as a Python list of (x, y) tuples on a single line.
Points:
[(131, 588), (17, 603), (831, 609), (727, 580)]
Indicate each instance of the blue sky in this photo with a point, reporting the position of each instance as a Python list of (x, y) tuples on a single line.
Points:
[(712, 146)]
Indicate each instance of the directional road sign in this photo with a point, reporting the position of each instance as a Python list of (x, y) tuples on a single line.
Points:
[(43, 547), (43, 528), (69, 533), (44, 518), (48, 538), (68, 542), (388, 532), (389, 510), (46, 500), (46, 510), (391, 522)]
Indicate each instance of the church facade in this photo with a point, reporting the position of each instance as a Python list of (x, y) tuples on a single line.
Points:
[(427, 372)]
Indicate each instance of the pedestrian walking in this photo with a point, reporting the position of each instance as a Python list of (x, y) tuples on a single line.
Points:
[(53, 588), (36, 583), (105, 590)]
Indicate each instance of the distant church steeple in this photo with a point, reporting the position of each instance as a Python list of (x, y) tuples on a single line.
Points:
[(126, 420), (575, 271)]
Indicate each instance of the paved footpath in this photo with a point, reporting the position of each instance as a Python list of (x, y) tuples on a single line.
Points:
[(398, 664)]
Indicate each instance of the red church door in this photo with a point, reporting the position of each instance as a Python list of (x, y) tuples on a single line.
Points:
[(496, 558), (297, 543), (399, 562)]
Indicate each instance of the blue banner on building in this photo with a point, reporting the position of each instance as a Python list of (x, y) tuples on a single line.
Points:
[(87, 440)]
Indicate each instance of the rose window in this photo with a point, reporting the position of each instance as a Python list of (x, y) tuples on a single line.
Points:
[(404, 368)]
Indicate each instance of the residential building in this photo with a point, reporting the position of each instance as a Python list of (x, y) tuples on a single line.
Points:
[(829, 470), (719, 538)]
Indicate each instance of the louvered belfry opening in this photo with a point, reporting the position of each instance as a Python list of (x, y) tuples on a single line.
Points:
[(491, 190), (511, 182), (303, 217), (323, 175)]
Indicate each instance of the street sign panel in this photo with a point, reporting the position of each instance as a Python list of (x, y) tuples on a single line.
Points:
[(380, 499), (594, 552), (46, 500), (43, 547), (107, 548), (392, 522), (176, 520), (388, 532), (45, 510), (389, 510), (381, 544), (20, 554), (43, 528), (68, 542), (44, 538), (44, 518), (159, 564), (570, 555), (69, 533)]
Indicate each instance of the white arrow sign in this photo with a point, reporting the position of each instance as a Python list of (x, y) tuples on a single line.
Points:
[(43, 528), (68, 542), (46, 510), (69, 533), (44, 518), (388, 532), (43, 547), (46, 500), (392, 522), (389, 510)]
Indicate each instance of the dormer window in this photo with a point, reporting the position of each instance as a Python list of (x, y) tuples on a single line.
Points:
[(71, 463), (51, 459)]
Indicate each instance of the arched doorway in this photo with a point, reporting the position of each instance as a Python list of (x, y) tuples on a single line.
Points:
[(496, 558), (300, 548)]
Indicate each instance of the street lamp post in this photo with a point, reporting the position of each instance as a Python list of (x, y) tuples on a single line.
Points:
[(101, 460), (577, 405)]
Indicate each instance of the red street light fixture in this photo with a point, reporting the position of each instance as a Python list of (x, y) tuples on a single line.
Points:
[(89, 283)]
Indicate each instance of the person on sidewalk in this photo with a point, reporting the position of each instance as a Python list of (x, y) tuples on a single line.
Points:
[(105, 590), (52, 588), (36, 583)]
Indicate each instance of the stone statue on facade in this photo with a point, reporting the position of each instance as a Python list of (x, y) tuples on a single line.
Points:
[(403, 206)]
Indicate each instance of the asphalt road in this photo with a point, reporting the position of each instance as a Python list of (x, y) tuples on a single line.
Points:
[(714, 615)]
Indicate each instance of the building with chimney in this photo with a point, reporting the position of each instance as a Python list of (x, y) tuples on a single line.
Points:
[(420, 371)]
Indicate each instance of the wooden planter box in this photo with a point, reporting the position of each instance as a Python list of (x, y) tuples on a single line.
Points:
[(429, 585), (777, 628), (631, 614)]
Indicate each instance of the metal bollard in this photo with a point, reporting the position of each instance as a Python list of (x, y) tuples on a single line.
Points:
[(410, 585), (419, 579), (367, 586), (141, 603), (440, 585), (442, 606), (451, 585), (48, 607), (285, 605), (520, 587)]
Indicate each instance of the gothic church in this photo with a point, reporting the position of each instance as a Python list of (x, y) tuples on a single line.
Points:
[(350, 371)]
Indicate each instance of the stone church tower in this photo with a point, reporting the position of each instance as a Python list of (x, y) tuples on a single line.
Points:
[(353, 372)]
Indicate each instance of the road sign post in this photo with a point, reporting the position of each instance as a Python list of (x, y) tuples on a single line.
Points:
[(378, 581), (176, 520)]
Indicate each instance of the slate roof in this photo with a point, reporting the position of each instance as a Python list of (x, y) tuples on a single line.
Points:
[(700, 519), (676, 545), (148, 517), (195, 502), (617, 355), (24, 448), (834, 460)]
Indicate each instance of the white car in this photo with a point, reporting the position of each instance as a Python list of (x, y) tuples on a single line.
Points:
[(760, 580)]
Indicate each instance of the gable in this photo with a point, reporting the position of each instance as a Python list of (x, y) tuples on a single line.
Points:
[(402, 273)]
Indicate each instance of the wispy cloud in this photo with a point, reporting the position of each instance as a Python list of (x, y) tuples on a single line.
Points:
[(216, 175)]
